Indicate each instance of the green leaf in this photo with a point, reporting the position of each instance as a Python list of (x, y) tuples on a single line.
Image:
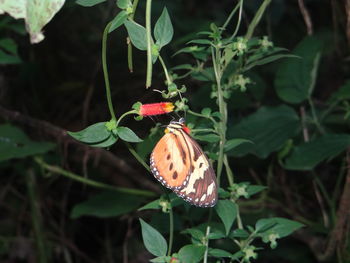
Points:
[(227, 212), (343, 93), (153, 240), (112, 139), (137, 34), (93, 134), (123, 4), (208, 137), (195, 233), (191, 253), (254, 189), (191, 49), (307, 155), (295, 78), (9, 45), (233, 143), (118, 20), (127, 135), (283, 123), (14, 143), (163, 30), (267, 60), (106, 204), (152, 205), (89, 3), (6, 59), (280, 226), (219, 253), (199, 41), (241, 233), (163, 259)]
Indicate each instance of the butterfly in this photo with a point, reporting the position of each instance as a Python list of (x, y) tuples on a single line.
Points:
[(179, 163)]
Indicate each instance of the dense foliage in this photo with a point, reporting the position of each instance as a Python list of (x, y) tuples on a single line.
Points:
[(263, 86)]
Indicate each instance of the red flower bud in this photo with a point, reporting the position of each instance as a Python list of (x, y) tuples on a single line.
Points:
[(156, 108)]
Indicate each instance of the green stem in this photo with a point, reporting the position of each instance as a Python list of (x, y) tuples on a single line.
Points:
[(168, 79), (222, 108), (257, 19), (138, 157), (239, 219), (203, 116), (149, 44), (105, 71), (205, 259), (131, 17), (314, 116), (239, 19), (130, 64), (126, 114), (171, 229), (36, 217), (202, 130), (230, 17), (228, 171), (59, 170)]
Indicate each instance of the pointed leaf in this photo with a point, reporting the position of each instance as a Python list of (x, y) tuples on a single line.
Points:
[(127, 135), (153, 240), (219, 253), (163, 30), (295, 78), (152, 205), (89, 3), (118, 20), (227, 212), (137, 34), (233, 143), (191, 253), (276, 225), (106, 204), (308, 155), (14, 143), (112, 139), (95, 133), (123, 4)]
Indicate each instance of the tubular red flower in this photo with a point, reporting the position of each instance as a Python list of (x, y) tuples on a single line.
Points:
[(156, 108)]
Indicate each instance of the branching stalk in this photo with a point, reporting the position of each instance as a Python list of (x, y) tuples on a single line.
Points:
[(59, 170)]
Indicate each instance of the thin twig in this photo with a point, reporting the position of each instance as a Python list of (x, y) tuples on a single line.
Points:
[(306, 16)]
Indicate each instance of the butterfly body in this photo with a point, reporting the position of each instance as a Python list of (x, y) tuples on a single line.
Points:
[(180, 164)]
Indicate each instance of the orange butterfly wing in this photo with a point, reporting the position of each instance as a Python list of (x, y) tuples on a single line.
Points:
[(170, 161), (180, 164)]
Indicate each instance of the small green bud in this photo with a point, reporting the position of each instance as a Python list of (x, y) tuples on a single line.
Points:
[(165, 205), (272, 238), (241, 82), (155, 50), (240, 46), (129, 10), (249, 252), (265, 43), (111, 125)]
